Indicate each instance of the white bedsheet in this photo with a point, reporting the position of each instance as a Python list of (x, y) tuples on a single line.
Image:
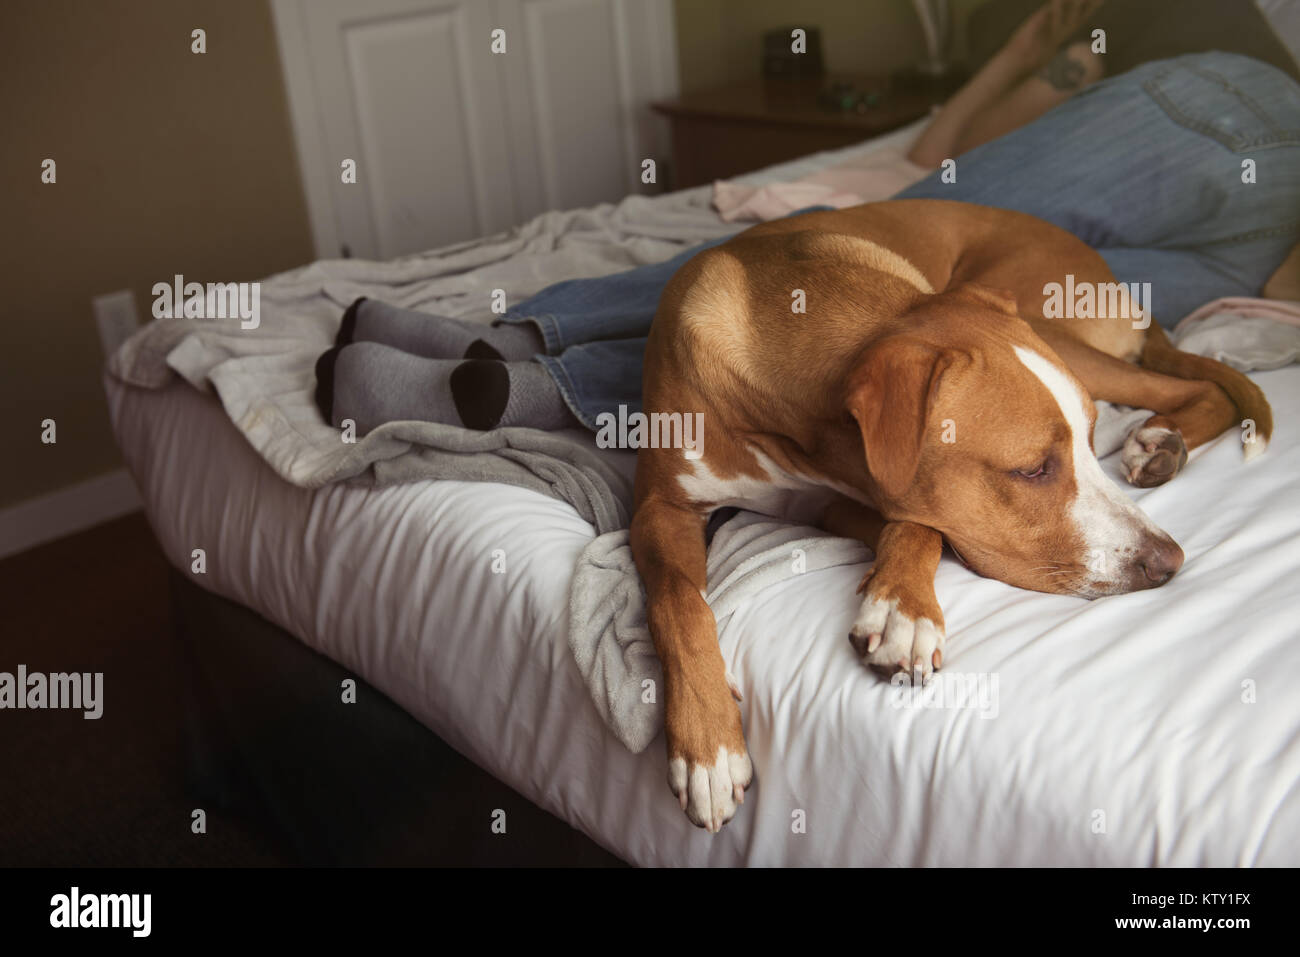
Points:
[(1122, 734)]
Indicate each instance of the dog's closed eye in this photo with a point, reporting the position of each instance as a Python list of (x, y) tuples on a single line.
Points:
[(1042, 470)]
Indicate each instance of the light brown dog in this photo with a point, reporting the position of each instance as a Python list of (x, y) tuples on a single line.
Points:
[(922, 398)]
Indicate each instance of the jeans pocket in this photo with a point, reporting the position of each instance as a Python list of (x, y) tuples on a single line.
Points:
[(1210, 103)]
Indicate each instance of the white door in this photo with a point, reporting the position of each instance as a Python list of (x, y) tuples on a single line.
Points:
[(452, 140), (579, 84), (407, 90)]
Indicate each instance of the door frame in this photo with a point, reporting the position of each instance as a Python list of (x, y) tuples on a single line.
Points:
[(308, 130)]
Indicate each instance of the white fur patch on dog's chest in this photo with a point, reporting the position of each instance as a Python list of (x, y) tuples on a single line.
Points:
[(778, 493)]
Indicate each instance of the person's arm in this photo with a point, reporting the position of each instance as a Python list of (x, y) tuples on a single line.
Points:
[(1065, 75), (1005, 93), (939, 140)]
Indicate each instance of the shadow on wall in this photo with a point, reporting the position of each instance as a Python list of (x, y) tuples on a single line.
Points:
[(165, 161), (719, 40)]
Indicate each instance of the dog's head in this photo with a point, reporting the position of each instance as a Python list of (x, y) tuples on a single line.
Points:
[(974, 427)]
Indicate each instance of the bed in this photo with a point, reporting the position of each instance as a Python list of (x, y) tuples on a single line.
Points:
[(1159, 728)]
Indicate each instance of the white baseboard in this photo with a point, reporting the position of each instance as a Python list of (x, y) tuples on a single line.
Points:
[(66, 511)]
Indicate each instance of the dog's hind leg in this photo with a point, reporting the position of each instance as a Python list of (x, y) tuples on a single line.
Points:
[(1160, 355), (1194, 399)]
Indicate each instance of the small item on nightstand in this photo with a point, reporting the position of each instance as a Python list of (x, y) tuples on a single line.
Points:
[(779, 58), (845, 97)]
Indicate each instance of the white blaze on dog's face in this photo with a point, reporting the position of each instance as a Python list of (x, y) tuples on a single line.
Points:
[(1126, 551), (989, 441)]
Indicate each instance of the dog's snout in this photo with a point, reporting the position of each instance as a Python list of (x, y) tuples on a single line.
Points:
[(1159, 560)]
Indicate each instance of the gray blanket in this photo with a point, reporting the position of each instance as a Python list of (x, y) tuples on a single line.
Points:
[(265, 376)]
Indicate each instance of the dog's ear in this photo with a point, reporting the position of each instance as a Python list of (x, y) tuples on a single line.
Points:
[(890, 394)]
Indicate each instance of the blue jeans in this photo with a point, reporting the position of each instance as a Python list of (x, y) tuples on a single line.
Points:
[(595, 332), (1146, 167)]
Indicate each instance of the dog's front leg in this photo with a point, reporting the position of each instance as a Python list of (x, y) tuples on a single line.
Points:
[(708, 766), (900, 625)]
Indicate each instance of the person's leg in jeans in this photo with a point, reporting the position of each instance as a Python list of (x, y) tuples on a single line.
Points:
[(587, 334), (618, 306), (1147, 167), (594, 334), (390, 363), (598, 377)]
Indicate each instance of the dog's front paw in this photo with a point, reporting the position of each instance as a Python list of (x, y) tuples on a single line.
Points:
[(708, 765), (1153, 455), (710, 794), (897, 630)]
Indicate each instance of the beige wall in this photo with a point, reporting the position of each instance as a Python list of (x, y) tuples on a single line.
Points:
[(168, 162), (719, 41), (172, 162)]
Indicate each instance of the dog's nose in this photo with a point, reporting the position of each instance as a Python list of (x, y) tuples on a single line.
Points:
[(1160, 560)]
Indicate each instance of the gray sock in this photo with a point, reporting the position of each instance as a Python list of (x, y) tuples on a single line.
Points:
[(493, 395), (372, 383), (437, 337)]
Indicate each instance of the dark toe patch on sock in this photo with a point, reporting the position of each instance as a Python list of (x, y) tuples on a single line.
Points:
[(480, 388), (325, 383), (479, 349), (348, 327)]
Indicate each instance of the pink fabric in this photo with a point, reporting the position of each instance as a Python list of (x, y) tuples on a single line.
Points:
[(738, 203), (878, 175), (1244, 307)]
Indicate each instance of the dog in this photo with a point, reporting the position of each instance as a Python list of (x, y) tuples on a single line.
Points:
[(921, 397)]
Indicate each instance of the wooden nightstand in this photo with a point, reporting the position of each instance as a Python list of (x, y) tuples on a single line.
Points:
[(735, 129)]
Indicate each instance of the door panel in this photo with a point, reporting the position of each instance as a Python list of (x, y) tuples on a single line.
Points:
[(581, 80), (453, 141), (411, 98), (408, 89)]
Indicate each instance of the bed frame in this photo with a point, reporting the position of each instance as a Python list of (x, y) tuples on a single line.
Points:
[(268, 738)]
